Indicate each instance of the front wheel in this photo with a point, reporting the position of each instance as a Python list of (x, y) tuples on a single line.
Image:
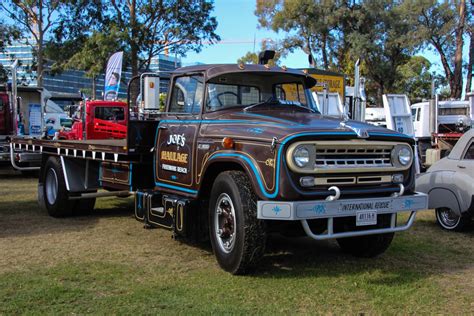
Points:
[(237, 236), (449, 220), (366, 246)]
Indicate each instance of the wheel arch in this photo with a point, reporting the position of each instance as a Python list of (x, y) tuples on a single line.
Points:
[(443, 197), (218, 165)]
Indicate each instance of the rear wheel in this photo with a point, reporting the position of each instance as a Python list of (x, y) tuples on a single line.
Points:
[(449, 220), (237, 236), (55, 195)]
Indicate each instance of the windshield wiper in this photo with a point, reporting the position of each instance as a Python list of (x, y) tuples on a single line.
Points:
[(270, 100)]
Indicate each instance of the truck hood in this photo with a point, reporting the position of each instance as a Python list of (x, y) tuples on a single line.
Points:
[(265, 125)]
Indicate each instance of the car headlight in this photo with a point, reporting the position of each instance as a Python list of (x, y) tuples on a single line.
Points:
[(402, 155), (301, 156)]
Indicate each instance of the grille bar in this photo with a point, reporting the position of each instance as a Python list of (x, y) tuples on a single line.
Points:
[(353, 157)]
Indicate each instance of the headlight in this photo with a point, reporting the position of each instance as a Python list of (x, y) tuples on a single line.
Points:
[(402, 155), (301, 156)]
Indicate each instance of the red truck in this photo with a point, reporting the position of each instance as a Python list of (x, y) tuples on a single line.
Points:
[(103, 120)]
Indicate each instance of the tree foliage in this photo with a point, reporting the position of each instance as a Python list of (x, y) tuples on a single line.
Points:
[(36, 18), (383, 34), (146, 28), (7, 35), (441, 26)]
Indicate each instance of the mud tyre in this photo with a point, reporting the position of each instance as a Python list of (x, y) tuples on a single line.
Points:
[(238, 238), (55, 196), (366, 246)]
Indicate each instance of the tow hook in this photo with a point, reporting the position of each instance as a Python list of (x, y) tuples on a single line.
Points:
[(336, 196), (400, 193)]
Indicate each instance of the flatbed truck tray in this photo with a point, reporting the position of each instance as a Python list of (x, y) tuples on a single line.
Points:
[(103, 149)]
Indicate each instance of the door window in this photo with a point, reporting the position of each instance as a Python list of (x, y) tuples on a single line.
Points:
[(187, 95), (470, 152)]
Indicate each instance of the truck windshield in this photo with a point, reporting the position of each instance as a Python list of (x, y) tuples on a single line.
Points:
[(250, 91), (110, 113)]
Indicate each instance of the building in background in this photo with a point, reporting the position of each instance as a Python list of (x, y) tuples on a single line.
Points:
[(72, 81)]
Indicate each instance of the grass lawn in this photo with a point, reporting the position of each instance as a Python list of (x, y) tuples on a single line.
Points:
[(107, 263)]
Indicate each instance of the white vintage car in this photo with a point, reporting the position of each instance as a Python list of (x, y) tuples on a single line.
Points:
[(450, 185)]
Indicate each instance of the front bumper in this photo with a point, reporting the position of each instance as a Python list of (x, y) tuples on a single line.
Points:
[(324, 209)]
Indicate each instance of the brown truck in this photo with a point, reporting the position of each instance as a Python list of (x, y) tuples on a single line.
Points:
[(239, 153)]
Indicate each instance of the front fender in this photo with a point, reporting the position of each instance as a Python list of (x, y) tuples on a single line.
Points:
[(259, 183), (441, 190)]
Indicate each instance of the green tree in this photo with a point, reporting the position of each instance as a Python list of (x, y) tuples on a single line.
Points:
[(414, 79), (7, 35), (93, 56), (35, 18), (339, 32), (441, 26), (310, 25), (381, 42), (150, 27)]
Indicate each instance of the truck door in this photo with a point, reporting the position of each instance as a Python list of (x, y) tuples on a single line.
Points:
[(176, 135)]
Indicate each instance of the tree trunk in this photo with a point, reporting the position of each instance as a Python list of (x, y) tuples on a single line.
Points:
[(456, 88), (39, 66), (470, 64), (133, 32), (94, 93), (324, 51)]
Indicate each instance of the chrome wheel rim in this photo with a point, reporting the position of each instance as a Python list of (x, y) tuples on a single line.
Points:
[(51, 186), (224, 223), (447, 218)]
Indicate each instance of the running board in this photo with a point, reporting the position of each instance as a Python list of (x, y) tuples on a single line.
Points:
[(102, 194)]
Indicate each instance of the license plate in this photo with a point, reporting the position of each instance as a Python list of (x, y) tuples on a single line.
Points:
[(366, 218)]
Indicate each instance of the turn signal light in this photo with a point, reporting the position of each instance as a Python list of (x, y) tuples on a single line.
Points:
[(227, 143), (397, 178), (307, 182)]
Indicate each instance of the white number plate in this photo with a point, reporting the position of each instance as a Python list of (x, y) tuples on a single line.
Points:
[(366, 218)]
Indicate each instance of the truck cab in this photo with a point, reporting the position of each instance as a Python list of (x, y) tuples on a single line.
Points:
[(103, 120)]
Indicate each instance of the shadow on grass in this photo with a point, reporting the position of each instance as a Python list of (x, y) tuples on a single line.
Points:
[(405, 262), (26, 218)]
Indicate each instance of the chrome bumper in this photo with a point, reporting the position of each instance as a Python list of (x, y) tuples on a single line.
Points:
[(323, 209)]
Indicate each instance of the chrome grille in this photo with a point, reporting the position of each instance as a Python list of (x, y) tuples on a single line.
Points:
[(352, 157)]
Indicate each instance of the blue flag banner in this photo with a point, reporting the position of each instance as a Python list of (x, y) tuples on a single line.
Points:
[(112, 76)]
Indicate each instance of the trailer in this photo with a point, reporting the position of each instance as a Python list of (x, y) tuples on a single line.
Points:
[(239, 153)]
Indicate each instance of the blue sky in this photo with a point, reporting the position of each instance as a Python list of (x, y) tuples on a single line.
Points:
[(238, 26)]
